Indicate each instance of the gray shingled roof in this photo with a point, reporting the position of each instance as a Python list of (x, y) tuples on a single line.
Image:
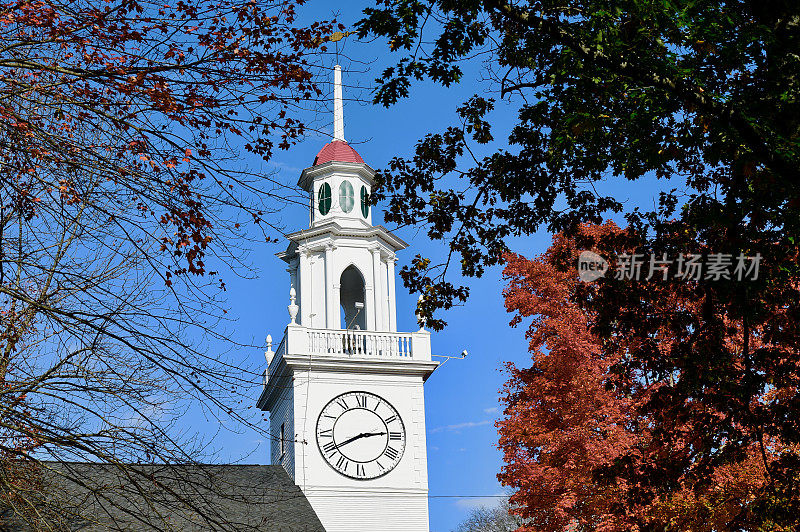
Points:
[(197, 497)]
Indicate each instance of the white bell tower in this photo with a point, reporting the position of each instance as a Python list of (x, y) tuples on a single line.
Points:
[(344, 389)]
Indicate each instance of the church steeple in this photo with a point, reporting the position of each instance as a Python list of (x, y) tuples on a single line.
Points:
[(344, 384)]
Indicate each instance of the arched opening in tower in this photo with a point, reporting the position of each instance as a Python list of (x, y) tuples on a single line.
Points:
[(351, 295)]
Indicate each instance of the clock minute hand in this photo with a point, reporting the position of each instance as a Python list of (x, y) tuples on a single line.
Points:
[(354, 438), (359, 436)]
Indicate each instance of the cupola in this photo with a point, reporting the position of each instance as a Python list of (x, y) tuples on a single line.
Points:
[(339, 182)]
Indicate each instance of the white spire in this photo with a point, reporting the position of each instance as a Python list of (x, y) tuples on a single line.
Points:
[(338, 105)]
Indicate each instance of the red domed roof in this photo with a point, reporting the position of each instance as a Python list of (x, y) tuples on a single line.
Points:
[(339, 151)]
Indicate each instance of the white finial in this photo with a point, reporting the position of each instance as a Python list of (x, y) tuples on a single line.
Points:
[(293, 308), (420, 319), (338, 105), (268, 354)]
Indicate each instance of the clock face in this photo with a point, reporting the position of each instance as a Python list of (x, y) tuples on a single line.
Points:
[(361, 435)]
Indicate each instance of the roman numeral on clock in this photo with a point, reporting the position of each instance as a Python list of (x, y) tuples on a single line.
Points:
[(391, 452), (327, 433), (360, 472), (395, 435), (330, 446), (341, 402), (342, 463), (361, 400), (390, 419)]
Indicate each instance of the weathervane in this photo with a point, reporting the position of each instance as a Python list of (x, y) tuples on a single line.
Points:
[(336, 37)]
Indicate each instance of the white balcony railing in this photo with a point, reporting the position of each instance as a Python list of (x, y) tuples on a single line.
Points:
[(302, 345), (360, 343), (299, 340)]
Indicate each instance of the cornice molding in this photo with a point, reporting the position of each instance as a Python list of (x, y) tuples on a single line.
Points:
[(347, 365), (299, 240), (362, 170)]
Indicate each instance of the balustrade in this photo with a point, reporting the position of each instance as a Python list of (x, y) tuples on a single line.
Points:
[(352, 343), (359, 343)]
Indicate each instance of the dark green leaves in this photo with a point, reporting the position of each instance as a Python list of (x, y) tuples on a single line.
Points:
[(635, 89)]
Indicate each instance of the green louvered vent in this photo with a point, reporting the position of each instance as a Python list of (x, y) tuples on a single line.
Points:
[(364, 202), (324, 199)]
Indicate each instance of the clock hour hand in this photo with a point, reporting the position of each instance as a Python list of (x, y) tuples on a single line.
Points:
[(359, 436)]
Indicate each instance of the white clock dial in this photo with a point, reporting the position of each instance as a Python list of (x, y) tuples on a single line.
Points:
[(361, 435)]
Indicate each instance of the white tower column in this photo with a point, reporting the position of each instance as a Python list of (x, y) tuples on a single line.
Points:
[(305, 288), (336, 304), (374, 377), (331, 316), (377, 288), (390, 286), (369, 298), (385, 295)]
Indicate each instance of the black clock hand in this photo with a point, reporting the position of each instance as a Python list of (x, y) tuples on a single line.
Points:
[(354, 438), (359, 436)]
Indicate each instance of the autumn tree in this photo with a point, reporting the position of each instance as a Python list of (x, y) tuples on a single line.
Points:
[(122, 189), (698, 101), (592, 444)]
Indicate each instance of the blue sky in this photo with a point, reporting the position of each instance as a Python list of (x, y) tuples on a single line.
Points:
[(462, 396)]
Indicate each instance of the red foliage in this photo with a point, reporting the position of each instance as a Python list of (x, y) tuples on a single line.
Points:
[(573, 417)]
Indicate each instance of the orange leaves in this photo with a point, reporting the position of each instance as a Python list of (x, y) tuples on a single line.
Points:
[(68, 192), (594, 439), (113, 114), (562, 423)]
